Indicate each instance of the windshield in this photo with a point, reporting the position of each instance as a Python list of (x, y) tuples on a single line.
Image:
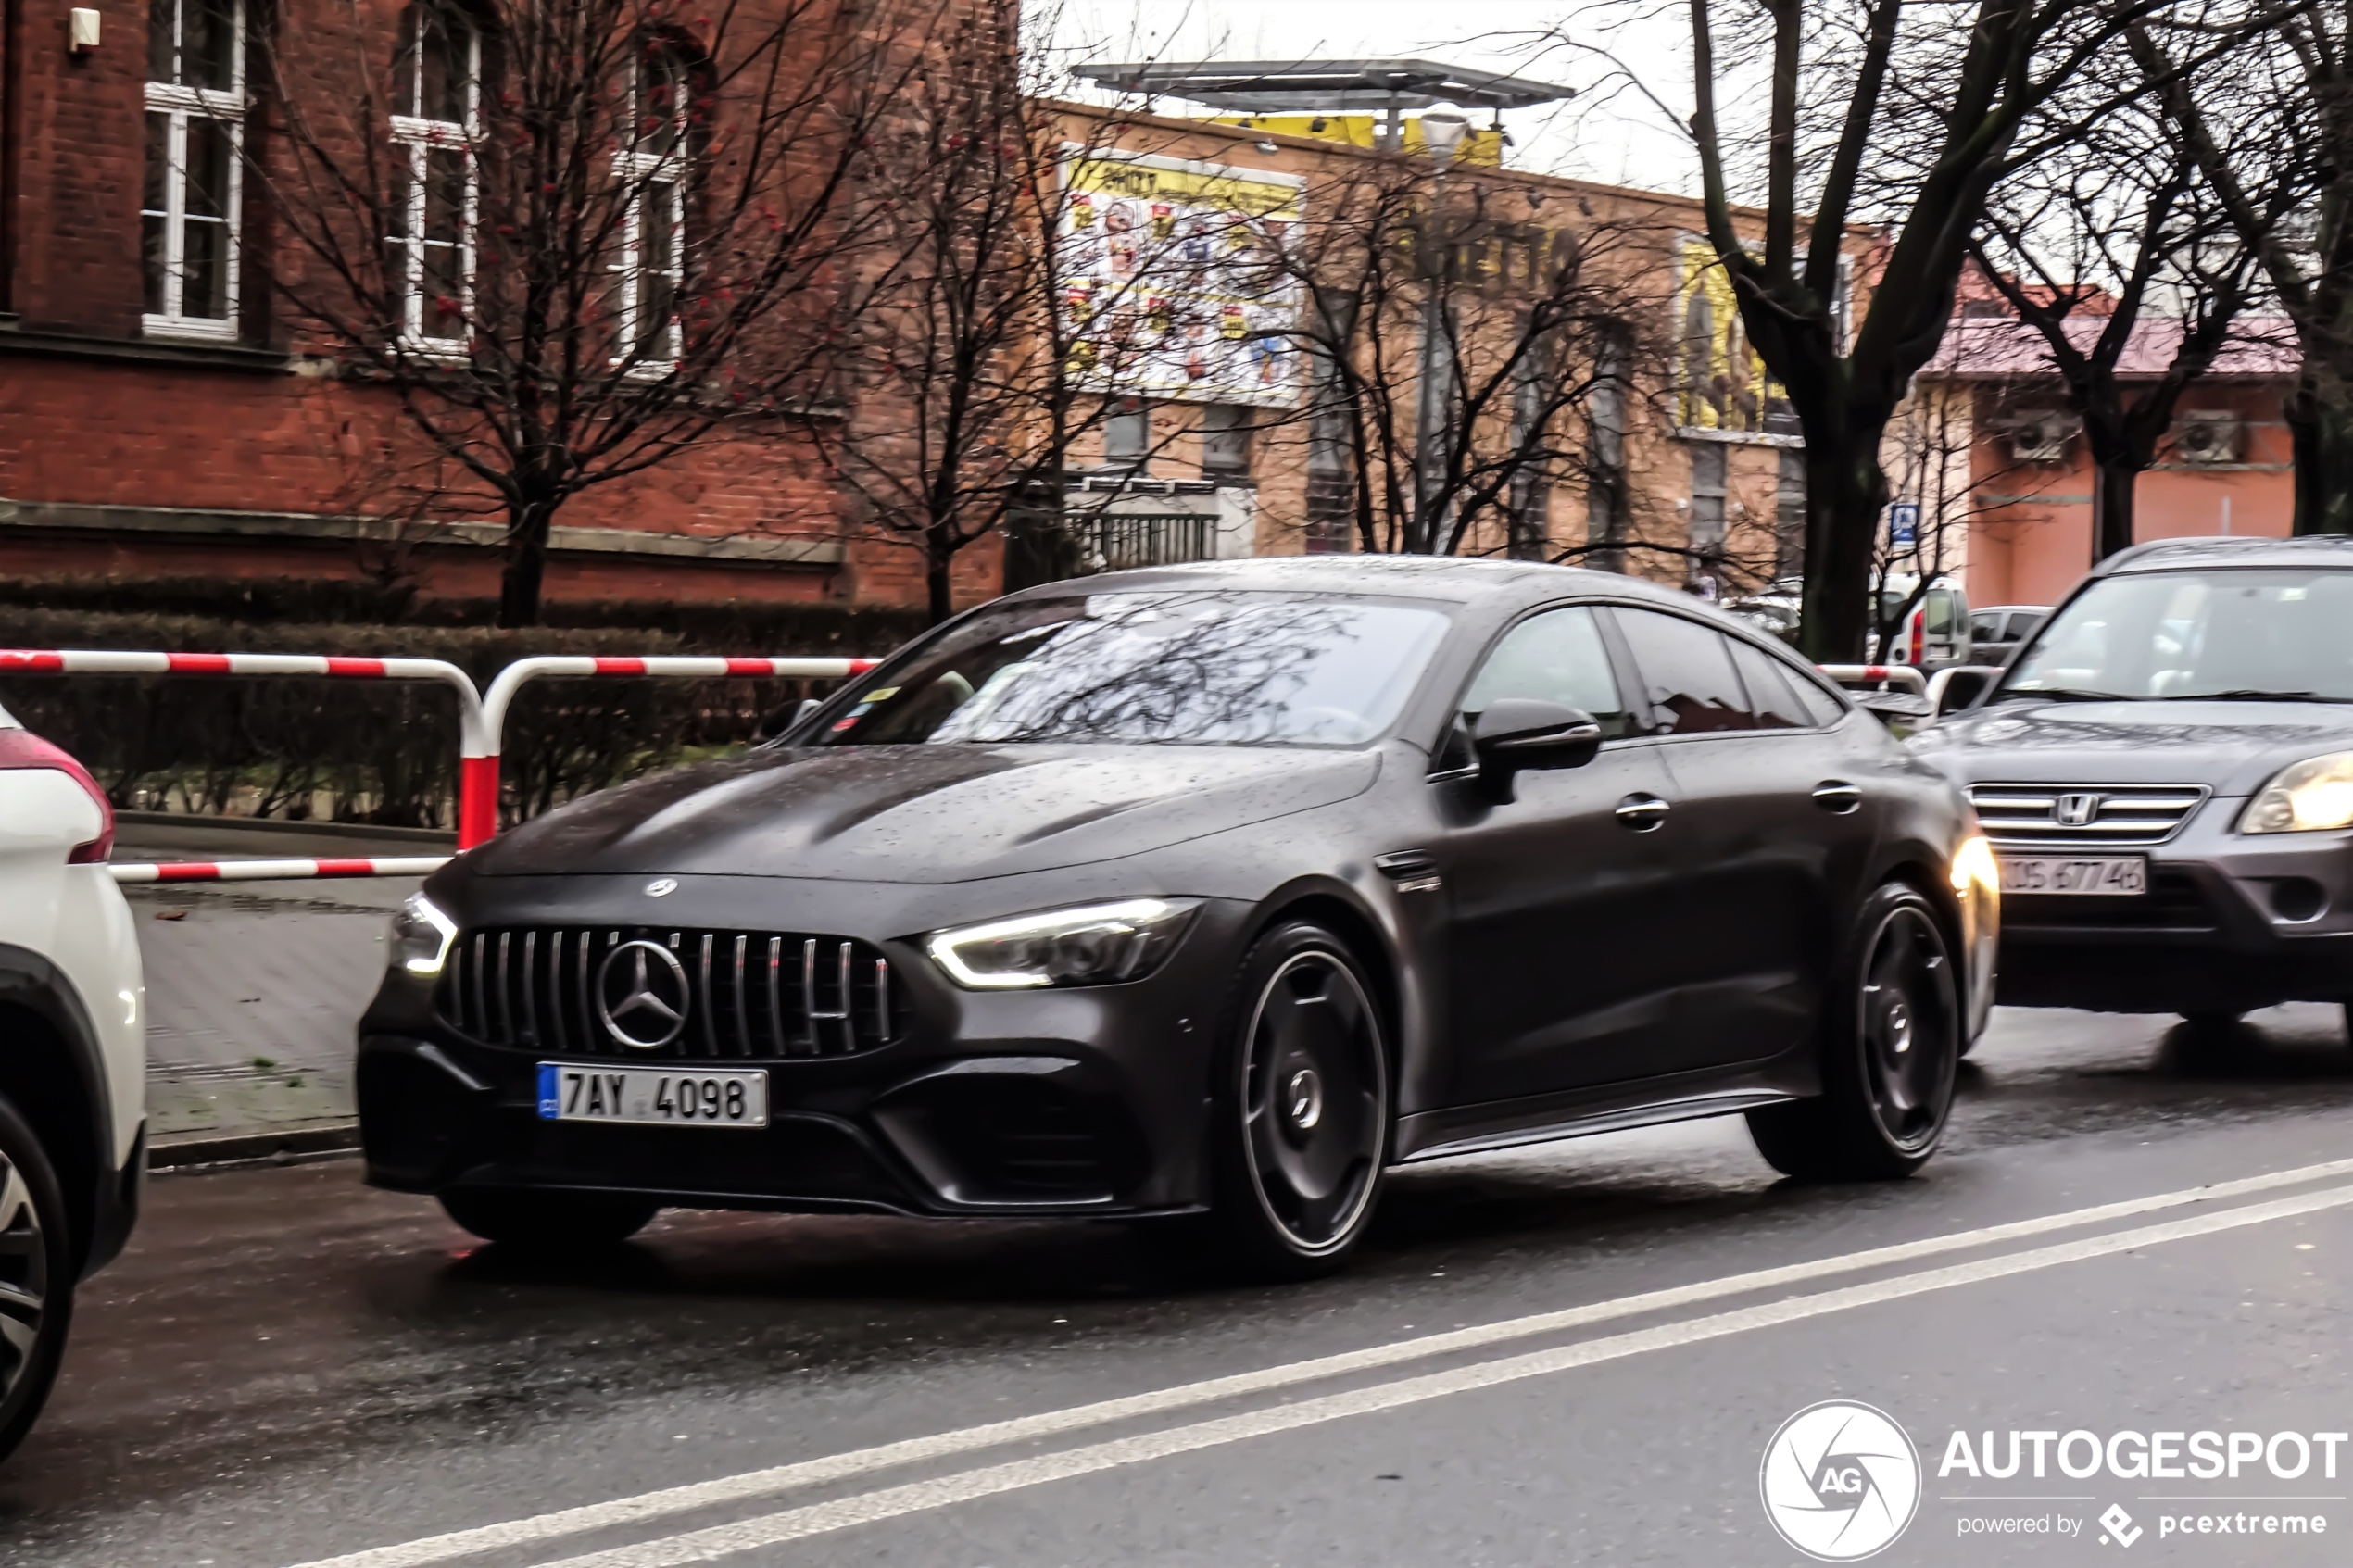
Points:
[(2170, 635), (1206, 667)]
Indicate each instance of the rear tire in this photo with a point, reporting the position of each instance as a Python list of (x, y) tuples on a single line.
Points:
[(37, 1270), (1890, 1042), (543, 1220), (1302, 1108), (2212, 1023)]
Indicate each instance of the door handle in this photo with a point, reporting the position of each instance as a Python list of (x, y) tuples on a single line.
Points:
[(1642, 813), (1837, 797)]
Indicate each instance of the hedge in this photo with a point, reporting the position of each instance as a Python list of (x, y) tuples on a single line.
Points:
[(386, 752)]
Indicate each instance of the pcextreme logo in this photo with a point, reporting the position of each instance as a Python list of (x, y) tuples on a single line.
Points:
[(1840, 1481)]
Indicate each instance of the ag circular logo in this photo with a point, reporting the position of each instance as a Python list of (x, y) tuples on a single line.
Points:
[(1840, 1480), (641, 995)]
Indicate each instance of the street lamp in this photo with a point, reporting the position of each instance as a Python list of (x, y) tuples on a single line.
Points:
[(1443, 132)]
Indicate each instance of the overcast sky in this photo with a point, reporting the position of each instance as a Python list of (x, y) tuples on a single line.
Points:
[(1610, 131)]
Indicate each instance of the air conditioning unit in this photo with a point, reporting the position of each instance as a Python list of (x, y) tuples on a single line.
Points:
[(2211, 436), (2041, 435)]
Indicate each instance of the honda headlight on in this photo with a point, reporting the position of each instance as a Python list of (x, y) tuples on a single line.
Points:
[(2309, 797), (1092, 944), (420, 937)]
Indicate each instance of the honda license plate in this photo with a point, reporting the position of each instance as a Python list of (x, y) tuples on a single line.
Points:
[(719, 1098), (2111, 876)]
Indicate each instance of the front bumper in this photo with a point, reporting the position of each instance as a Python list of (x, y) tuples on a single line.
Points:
[(2231, 922), (1084, 1102)]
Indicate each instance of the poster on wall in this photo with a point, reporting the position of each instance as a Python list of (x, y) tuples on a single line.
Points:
[(1177, 278)]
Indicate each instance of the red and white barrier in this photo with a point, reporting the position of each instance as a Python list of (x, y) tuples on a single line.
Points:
[(277, 870), (475, 739), (481, 724), (1877, 675), (478, 790)]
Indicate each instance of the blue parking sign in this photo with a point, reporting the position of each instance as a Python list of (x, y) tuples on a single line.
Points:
[(1904, 524)]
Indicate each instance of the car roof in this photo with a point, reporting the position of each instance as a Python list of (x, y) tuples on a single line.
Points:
[(2173, 555), (1432, 577)]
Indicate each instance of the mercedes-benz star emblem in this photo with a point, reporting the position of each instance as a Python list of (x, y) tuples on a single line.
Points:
[(641, 995), (662, 887)]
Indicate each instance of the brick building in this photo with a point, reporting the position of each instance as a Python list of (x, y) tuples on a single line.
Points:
[(164, 414)]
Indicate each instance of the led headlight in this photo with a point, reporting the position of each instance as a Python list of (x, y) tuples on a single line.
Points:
[(1092, 944), (420, 937), (2307, 796)]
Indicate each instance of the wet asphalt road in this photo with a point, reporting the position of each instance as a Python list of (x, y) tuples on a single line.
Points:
[(286, 1366)]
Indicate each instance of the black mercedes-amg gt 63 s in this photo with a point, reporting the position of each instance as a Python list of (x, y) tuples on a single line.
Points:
[(1211, 890)]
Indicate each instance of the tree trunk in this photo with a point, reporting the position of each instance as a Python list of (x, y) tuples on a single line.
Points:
[(939, 563), (1845, 492), (526, 568), (2319, 421), (2114, 482)]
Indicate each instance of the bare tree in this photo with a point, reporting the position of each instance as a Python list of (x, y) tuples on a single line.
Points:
[(980, 366), (2270, 126), (1905, 115), (1471, 356), (2117, 256), (577, 242)]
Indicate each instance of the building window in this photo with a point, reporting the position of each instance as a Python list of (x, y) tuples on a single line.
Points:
[(1225, 442), (436, 186), (195, 109), (1128, 436), (650, 166)]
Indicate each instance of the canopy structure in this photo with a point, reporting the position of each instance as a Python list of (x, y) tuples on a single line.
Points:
[(1264, 86)]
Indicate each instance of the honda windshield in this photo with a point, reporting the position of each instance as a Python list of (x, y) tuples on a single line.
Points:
[(1214, 667), (2225, 634)]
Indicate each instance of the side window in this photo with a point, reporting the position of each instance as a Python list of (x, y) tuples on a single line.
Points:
[(1556, 657), (1686, 674), (1985, 626), (1769, 697), (1821, 705)]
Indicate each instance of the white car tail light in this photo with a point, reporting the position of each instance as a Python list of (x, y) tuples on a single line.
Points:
[(21, 748)]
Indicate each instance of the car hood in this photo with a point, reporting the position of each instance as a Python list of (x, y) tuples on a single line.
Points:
[(2230, 747), (923, 813)]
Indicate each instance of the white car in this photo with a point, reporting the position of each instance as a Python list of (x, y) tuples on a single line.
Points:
[(73, 1082)]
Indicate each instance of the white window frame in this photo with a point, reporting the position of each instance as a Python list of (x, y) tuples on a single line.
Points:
[(650, 178), (182, 104), (414, 138)]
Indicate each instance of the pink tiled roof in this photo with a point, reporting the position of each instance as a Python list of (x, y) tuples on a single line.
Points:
[(1998, 347)]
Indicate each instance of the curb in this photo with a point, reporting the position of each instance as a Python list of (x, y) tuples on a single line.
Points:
[(300, 1145), (277, 826)]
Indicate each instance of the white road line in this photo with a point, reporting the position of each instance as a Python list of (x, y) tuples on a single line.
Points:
[(868, 1508), (835, 1467)]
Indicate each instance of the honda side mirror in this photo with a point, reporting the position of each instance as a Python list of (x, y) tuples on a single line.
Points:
[(1517, 733), (1949, 691)]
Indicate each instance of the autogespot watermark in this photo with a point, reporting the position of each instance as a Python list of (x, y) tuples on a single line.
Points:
[(1841, 1480)]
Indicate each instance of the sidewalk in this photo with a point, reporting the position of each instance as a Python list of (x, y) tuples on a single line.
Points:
[(254, 989)]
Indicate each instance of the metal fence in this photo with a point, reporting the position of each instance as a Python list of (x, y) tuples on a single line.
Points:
[(1116, 541)]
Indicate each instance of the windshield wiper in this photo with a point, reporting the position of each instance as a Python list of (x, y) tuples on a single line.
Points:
[(2059, 694), (2249, 694)]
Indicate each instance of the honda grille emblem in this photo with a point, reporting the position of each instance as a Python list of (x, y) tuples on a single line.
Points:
[(641, 995), (2076, 811)]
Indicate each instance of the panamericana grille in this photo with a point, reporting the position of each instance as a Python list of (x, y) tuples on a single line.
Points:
[(2021, 816), (747, 994)]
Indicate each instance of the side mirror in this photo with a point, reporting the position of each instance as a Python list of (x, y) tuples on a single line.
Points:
[(785, 718), (1949, 691), (1900, 711), (1517, 733)]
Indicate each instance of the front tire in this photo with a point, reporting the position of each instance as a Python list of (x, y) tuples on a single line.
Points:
[(1302, 1106), (1891, 1041), (544, 1221), (37, 1270)]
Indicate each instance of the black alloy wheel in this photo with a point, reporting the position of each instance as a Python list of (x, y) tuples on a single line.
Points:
[(1303, 1107), (1890, 1042), (544, 1219), (36, 1278)]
